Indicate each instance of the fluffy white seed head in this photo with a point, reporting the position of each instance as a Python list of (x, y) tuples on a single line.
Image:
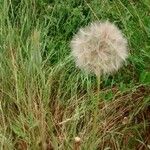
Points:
[(99, 48)]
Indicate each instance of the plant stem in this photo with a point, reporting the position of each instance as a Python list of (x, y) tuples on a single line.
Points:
[(98, 85)]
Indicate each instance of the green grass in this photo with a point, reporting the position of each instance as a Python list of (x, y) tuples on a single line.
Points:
[(45, 101)]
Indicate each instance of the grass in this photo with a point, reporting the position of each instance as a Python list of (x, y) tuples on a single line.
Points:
[(45, 101)]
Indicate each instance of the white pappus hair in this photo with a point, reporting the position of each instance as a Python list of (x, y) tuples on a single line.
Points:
[(99, 48)]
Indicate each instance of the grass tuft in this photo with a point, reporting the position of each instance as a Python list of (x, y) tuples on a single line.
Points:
[(46, 102)]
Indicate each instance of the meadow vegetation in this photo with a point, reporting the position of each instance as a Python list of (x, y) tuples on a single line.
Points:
[(45, 101)]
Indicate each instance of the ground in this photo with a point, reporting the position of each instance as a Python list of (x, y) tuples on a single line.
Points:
[(45, 101)]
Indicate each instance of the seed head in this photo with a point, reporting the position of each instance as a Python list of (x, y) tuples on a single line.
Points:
[(99, 48)]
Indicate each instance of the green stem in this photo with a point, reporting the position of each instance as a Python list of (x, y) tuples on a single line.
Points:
[(98, 86), (97, 101)]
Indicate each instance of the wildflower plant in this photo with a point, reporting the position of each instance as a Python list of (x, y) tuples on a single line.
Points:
[(99, 48)]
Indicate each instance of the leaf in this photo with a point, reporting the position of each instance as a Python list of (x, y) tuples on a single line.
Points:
[(145, 77)]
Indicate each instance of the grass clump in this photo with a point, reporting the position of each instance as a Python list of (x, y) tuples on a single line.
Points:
[(46, 102)]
